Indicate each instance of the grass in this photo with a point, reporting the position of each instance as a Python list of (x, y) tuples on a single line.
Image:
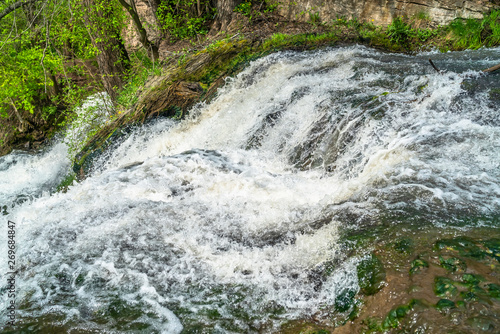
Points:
[(473, 33)]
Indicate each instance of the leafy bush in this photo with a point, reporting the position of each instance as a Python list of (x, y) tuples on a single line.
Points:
[(184, 18), (244, 8), (399, 32)]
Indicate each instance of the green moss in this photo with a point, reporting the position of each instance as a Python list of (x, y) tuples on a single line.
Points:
[(465, 247), (404, 246), (472, 279), (345, 300), (494, 290), (493, 248), (445, 304), (444, 287), (453, 264), (417, 265), (371, 275)]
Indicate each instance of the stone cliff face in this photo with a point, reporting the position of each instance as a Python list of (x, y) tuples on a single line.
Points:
[(382, 12), (379, 12)]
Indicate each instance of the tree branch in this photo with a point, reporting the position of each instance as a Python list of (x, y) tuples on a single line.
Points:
[(491, 69), (15, 6), (143, 37)]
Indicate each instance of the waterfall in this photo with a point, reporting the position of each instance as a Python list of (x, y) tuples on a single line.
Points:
[(232, 217)]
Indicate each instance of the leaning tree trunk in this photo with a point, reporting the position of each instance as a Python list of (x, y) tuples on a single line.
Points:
[(151, 48), (112, 57), (224, 13)]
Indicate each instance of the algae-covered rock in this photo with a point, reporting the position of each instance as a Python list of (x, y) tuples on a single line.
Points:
[(472, 279), (445, 304), (484, 324), (444, 287), (417, 265), (465, 247), (494, 290), (344, 300), (404, 246), (493, 248), (371, 275), (453, 264)]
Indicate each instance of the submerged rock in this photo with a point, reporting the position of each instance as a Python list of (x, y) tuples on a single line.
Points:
[(371, 275)]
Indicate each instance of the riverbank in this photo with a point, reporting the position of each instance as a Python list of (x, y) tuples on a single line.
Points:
[(190, 71), (194, 75)]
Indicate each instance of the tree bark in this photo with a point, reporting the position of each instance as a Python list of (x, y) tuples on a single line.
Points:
[(224, 13), (151, 48), (112, 59)]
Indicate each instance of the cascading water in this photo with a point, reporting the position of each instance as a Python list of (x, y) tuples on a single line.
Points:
[(228, 220)]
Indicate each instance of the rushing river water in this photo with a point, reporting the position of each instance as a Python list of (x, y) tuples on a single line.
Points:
[(227, 220)]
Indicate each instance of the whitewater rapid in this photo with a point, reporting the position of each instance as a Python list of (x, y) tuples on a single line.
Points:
[(230, 217)]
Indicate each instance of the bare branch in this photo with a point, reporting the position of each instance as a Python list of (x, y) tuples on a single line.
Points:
[(491, 69), (15, 6)]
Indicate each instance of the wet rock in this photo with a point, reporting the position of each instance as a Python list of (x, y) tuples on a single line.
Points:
[(344, 300), (445, 304), (452, 264), (493, 248), (404, 246), (494, 290), (444, 287), (465, 247), (371, 275), (482, 323), (472, 279), (417, 265)]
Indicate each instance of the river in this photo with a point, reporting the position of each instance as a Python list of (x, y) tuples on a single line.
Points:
[(226, 221)]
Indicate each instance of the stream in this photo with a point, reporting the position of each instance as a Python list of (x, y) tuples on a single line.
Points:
[(234, 220)]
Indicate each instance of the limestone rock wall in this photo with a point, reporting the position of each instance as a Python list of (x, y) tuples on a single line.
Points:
[(382, 12)]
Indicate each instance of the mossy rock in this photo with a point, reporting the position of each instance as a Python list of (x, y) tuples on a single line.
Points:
[(493, 248), (494, 290), (444, 287), (445, 304), (371, 275), (394, 317), (453, 264), (404, 246), (417, 265), (472, 279), (484, 324), (465, 247), (345, 300)]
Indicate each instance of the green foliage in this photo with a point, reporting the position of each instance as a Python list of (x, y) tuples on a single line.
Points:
[(142, 68), (66, 182), (244, 8), (39, 46), (251, 8), (399, 32), (422, 16), (473, 34), (279, 40), (314, 18), (24, 77), (181, 19)]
